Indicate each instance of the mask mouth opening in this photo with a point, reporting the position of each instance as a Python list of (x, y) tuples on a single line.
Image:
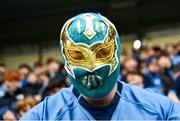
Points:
[(91, 81)]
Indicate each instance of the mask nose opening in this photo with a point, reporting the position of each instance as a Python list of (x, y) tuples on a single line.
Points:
[(91, 81)]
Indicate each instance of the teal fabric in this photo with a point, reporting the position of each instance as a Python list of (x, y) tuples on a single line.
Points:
[(108, 81), (101, 91), (80, 37)]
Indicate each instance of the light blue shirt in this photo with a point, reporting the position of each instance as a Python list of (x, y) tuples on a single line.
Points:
[(175, 59), (134, 104)]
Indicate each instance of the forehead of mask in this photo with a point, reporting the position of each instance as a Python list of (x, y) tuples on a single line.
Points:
[(80, 23)]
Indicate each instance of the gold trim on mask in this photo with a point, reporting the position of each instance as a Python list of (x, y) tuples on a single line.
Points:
[(88, 56)]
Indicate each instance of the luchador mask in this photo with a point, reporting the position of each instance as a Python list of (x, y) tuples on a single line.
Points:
[(90, 46)]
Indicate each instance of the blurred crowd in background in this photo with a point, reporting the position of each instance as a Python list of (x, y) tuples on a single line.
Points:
[(153, 68)]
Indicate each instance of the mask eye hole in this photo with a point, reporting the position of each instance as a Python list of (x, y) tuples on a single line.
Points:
[(76, 55), (104, 52)]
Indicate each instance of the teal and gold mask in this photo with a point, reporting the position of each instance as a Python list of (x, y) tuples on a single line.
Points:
[(90, 46)]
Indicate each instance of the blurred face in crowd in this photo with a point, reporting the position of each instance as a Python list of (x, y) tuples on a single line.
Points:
[(23, 106), (11, 81), (170, 49), (130, 64), (24, 71), (11, 85), (54, 66), (154, 67), (32, 78), (2, 69), (164, 62), (151, 52), (37, 66), (123, 56), (134, 79), (144, 55)]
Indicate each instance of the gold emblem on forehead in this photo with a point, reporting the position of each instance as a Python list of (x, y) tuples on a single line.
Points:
[(89, 32)]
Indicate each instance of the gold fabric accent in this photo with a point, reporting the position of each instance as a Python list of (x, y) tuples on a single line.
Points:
[(86, 56)]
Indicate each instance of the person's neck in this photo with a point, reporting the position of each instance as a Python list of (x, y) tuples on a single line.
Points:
[(103, 101)]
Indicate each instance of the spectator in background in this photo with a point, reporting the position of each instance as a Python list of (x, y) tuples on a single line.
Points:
[(54, 67), (144, 56), (172, 50), (3, 69), (152, 78), (24, 70), (32, 86), (166, 72), (25, 105), (130, 65), (152, 53), (53, 77), (37, 66), (57, 76), (123, 56), (176, 62), (174, 54), (135, 78), (9, 94), (157, 52)]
